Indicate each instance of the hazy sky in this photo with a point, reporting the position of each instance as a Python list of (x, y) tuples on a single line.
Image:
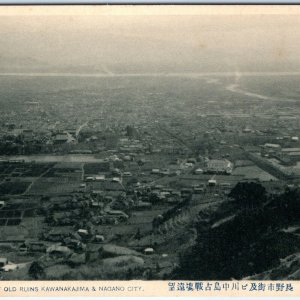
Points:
[(149, 43)]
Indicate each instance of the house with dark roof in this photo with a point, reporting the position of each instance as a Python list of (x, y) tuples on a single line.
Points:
[(58, 234)]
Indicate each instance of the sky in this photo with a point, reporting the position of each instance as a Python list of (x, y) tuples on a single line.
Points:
[(148, 43)]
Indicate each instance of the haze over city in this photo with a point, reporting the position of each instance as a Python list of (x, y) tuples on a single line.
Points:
[(136, 43)]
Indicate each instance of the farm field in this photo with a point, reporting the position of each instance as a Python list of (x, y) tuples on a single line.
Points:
[(254, 172)]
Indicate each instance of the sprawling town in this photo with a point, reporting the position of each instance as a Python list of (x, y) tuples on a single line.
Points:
[(111, 178)]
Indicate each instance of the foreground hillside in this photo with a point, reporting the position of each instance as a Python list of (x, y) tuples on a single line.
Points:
[(255, 234)]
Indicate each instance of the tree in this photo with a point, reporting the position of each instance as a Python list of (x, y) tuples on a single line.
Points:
[(249, 194), (129, 274), (36, 271), (131, 131), (49, 219), (153, 198), (138, 234)]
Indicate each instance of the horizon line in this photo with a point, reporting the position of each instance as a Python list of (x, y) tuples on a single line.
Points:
[(169, 74)]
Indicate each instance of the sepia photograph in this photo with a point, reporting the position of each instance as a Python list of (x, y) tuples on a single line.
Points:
[(147, 142)]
